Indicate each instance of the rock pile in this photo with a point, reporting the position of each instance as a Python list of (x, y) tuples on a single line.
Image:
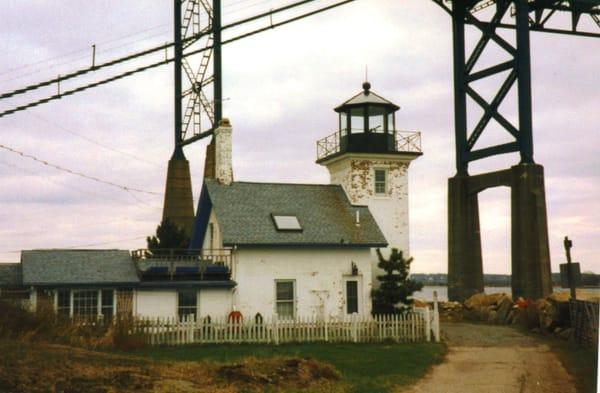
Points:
[(451, 311), (495, 308), (548, 315)]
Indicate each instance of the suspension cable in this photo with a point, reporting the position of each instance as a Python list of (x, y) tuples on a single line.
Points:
[(169, 60), (114, 62)]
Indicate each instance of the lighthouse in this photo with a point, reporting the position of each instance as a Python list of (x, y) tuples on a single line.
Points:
[(369, 157)]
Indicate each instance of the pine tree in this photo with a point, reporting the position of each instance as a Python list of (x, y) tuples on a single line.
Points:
[(168, 237), (394, 294)]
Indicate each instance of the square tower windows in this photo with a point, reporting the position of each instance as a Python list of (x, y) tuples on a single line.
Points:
[(380, 181)]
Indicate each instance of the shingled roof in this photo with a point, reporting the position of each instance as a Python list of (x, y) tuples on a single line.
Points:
[(75, 267), (10, 275), (245, 212)]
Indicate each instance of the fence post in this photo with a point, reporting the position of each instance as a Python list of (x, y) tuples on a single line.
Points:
[(326, 328), (436, 318), (427, 324), (275, 329)]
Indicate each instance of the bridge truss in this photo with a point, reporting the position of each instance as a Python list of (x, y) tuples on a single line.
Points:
[(531, 274)]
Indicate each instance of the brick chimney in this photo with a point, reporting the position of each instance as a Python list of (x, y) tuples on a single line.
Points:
[(223, 162)]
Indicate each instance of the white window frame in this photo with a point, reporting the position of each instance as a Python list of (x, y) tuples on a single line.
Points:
[(98, 300), (113, 304), (195, 308), (294, 298), (385, 182), (98, 294), (69, 307)]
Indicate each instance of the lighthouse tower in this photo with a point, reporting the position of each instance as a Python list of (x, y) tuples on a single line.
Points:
[(369, 158)]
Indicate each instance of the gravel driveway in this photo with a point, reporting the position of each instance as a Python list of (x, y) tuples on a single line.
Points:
[(494, 359)]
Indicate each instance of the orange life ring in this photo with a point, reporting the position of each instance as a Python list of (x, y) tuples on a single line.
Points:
[(235, 317)]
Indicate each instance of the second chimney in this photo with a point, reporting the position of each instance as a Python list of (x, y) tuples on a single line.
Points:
[(223, 147)]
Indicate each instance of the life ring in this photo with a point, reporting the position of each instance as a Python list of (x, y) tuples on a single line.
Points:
[(235, 317)]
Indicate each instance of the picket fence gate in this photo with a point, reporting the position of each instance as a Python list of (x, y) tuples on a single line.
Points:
[(418, 325)]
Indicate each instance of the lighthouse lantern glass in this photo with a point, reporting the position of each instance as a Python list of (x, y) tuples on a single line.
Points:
[(376, 119), (357, 120), (343, 123)]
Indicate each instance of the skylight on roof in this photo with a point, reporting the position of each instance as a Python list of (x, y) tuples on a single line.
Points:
[(286, 223)]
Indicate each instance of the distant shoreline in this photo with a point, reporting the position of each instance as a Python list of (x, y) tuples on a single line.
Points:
[(588, 279), (427, 292)]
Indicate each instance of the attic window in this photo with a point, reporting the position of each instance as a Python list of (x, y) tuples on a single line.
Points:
[(286, 223)]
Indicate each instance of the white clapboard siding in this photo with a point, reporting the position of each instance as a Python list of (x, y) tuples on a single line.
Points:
[(418, 325)]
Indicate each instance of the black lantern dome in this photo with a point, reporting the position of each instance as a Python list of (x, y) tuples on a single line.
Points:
[(367, 123)]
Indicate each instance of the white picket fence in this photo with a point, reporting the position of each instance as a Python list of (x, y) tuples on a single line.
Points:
[(418, 325)]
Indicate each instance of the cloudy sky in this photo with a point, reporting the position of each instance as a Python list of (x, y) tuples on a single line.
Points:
[(280, 88)]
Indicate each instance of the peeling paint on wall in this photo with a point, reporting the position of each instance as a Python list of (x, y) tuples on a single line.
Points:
[(356, 174)]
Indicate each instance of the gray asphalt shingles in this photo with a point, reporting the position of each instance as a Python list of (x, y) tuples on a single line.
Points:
[(244, 211), (51, 267), (10, 275)]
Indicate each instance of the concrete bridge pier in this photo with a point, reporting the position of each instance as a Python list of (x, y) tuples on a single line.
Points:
[(531, 275), (465, 266)]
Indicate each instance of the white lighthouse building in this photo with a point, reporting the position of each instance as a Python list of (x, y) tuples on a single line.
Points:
[(370, 158)]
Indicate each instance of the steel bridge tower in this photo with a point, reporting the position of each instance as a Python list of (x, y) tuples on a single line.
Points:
[(531, 275), (197, 107)]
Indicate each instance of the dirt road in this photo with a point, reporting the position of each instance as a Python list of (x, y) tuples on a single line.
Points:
[(494, 359)]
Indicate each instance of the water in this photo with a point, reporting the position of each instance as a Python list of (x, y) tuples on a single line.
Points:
[(442, 291)]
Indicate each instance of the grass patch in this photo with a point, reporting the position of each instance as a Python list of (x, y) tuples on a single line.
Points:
[(370, 368)]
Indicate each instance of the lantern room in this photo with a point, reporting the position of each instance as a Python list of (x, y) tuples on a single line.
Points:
[(367, 123)]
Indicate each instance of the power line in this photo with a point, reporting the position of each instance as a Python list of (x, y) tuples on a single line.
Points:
[(105, 243), (86, 49), (121, 38), (83, 245), (46, 68), (166, 61), (93, 141), (70, 54), (87, 192), (166, 46), (84, 71), (60, 168)]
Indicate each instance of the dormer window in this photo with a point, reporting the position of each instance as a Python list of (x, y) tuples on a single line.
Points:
[(380, 181), (286, 222)]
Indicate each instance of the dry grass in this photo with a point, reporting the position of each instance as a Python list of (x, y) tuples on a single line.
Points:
[(39, 367), (44, 353), (46, 326)]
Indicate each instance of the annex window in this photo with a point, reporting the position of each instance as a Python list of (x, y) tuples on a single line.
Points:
[(187, 302), (351, 297), (85, 303), (380, 181), (107, 303), (63, 302), (286, 223), (285, 299)]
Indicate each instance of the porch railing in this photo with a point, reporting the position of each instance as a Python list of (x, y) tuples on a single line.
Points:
[(174, 264)]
